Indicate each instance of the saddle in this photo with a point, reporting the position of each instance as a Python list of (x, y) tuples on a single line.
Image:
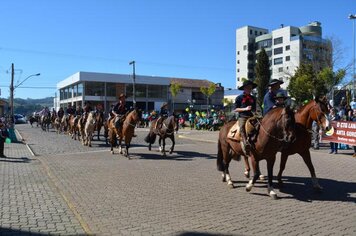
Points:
[(251, 127)]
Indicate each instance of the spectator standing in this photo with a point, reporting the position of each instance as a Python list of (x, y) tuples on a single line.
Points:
[(3, 135), (333, 117)]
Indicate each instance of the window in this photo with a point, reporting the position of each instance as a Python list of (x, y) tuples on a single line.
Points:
[(238, 61), (260, 33), (110, 89), (287, 58), (238, 70), (278, 40), (238, 52), (264, 44), (250, 75), (80, 90), (140, 90), (245, 47), (157, 91), (256, 32), (287, 47), (70, 92), (278, 61), (280, 69), (250, 31), (94, 88), (277, 51), (238, 79)]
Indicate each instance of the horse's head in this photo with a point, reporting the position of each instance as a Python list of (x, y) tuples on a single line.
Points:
[(92, 117), (318, 113), (286, 122)]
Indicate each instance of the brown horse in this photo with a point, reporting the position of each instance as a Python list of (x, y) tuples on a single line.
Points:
[(99, 122), (73, 127), (276, 131), (126, 131), (313, 111), (169, 126)]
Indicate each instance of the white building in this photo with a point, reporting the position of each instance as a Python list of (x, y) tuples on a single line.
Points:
[(286, 47), (151, 91)]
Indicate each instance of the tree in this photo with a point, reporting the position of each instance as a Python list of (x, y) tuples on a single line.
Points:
[(174, 89), (208, 91), (307, 83), (263, 75)]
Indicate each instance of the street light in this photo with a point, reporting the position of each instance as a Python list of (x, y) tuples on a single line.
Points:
[(12, 89), (133, 84), (353, 17)]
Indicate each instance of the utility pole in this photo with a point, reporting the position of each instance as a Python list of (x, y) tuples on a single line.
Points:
[(12, 95), (133, 84)]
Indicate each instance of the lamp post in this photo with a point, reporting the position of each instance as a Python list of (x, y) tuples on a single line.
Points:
[(12, 89), (133, 84), (353, 17)]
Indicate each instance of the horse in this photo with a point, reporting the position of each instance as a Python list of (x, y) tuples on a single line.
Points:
[(73, 127), (316, 111), (276, 130), (80, 126), (169, 126), (126, 131), (99, 122), (63, 126), (34, 119), (89, 129), (45, 122), (57, 125)]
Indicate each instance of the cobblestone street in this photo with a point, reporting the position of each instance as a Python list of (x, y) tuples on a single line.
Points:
[(68, 189)]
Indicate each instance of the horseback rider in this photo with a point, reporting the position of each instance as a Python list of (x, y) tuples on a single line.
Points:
[(70, 110), (44, 113), (87, 108), (280, 100), (78, 113), (119, 110), (163, 114), (269, 101), (60, 113), (245, 105)]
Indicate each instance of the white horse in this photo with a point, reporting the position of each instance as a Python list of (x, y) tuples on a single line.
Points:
[(89, 129)]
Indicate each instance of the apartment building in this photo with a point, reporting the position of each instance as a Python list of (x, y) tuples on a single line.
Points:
[(287, 47)]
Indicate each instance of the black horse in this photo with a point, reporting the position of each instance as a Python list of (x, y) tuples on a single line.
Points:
[(169, 126)]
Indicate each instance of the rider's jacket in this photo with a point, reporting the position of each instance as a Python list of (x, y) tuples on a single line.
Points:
[(70, 111), (164, 112), (245, 100), (120, 108)]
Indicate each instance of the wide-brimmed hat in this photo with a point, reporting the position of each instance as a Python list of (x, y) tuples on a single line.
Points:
[(246, 83), (275, 81), (122, 95), (280, 95), (164, 104)]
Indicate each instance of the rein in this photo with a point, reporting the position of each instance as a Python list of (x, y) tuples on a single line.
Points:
[(268, 134)]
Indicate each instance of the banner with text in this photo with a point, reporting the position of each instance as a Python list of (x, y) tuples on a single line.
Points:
[(341, 132)]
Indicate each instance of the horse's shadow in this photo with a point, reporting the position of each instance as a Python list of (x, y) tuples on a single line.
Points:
[(300, 188), (176, 156)]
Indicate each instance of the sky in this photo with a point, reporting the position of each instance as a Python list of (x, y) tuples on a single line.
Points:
[(192, 39)]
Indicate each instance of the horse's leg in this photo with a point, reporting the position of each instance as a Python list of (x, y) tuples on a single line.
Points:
[(173, 143), (270, 164), (282, 166), (164, 147), (247, 167), (120, 145), (159, 144), (256, 174), (307, 160)]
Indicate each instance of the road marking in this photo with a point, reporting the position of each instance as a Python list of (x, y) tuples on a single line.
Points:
[(197, 139)]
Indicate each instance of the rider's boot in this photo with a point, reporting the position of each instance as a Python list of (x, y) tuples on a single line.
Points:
[(246, 146)]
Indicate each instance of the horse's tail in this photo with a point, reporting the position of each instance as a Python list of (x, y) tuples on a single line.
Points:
[(219, 160), (150, 138)]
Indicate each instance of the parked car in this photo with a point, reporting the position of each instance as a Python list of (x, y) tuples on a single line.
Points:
[(20, 119)]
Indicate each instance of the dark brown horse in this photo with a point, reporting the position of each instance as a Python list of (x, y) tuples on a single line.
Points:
[(313, 111), (169, 126), (276, 131), (99, 122), (125, 132)]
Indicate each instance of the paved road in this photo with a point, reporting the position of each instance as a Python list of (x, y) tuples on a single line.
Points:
[(70, 189)]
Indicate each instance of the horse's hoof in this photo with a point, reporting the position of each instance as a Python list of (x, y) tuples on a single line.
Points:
[(273, 195), (262, 177), (248, 187)]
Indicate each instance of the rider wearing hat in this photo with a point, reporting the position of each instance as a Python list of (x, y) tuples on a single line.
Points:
[(163, 114), (119, 110), (3, 135), (269, 101), (245, 105), (280, 99)]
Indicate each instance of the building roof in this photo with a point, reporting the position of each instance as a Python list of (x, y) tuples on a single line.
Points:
[(232, 92)]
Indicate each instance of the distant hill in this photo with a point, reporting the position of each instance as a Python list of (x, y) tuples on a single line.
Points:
[(28, 106)]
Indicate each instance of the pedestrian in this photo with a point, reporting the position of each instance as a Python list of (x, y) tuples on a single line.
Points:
[(333, 117), (3, 135), (315, 135), (245, 105)]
